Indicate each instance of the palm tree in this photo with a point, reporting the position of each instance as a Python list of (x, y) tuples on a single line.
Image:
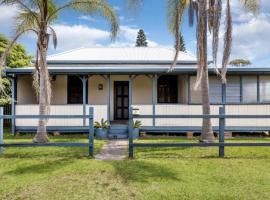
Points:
[(208, 16), (37, 16)]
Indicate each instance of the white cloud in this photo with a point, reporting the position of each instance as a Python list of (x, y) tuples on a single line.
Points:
[(87, 18), (251, 39), (250, 34), (116, 8), (74, 36), (8, 13)]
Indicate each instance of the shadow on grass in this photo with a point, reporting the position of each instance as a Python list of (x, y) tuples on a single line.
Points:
[(40, 168), (141, 171)]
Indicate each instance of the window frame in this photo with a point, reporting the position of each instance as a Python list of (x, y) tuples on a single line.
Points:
[(68, 90), (258, 101), (176, 90)]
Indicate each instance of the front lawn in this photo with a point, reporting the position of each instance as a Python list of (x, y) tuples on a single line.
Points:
[(168, 173)]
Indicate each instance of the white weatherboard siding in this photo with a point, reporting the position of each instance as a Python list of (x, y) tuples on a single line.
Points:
[(182, 110), (144, 110), (100, 111)]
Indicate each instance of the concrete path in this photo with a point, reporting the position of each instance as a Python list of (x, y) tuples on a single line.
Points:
[(113, 150)]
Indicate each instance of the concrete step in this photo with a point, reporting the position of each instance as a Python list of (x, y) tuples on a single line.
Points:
[(118, 131), (118, 126)]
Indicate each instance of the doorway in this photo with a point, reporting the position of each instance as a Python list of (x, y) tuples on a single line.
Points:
[(121, 100)]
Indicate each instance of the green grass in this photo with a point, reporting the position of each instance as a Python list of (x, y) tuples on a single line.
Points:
[(167, 173)]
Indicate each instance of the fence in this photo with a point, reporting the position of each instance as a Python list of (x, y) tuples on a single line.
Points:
[(222, 128), (7, 111), (90, 144)]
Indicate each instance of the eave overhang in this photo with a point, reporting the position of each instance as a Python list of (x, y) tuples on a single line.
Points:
[(132, 69)]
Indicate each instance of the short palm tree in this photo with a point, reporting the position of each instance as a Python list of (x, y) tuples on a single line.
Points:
[(208, 16), (37, 16)]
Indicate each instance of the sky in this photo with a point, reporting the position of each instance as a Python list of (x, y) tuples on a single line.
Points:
[(251, 34)]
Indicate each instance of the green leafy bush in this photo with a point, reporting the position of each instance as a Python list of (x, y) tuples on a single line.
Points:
[(103, 124), (136, 124)]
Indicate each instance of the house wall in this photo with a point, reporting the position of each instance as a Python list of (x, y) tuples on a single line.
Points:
[(26, 93), (141, 98), (59, 90), (96, 96), (141, 90)]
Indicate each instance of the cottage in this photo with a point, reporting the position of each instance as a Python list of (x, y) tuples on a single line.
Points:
[(113, 79)]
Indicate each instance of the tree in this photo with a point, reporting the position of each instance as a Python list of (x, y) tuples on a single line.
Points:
[(37, 16), (181, 43), (208, 17), (239, 62), (141, 39), (17, 57)]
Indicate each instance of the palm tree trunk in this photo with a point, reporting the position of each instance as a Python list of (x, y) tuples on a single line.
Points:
[(207, 133), (41, 135)]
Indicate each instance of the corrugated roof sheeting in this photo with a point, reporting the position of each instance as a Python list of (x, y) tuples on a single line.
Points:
[(121, 54)]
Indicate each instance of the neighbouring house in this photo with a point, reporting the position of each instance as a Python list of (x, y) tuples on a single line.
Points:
[(114, 79)]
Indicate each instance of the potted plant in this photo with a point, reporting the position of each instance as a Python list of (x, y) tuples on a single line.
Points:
[(102, 129), (136, 126)]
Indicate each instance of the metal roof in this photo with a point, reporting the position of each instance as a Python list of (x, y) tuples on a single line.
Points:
[(119, 60), (120, 54)]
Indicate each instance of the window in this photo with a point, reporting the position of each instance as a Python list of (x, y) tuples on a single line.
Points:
[(249, 85), (264, 88), (167, 89), (233, 89), (75, 90), (215, 91)]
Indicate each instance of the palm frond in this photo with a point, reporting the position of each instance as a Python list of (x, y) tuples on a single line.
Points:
[(251, 5), (211, 10), (216, 27), (26, 20), (99, 7), (227, 42), (11, 44), (54, 36), (175, 12)]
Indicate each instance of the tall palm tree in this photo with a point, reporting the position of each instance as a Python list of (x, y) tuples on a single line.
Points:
[(208, 16), (37, 16)]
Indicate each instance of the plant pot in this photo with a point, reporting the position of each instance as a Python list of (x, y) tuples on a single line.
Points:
[(135, 133), (101, 133)]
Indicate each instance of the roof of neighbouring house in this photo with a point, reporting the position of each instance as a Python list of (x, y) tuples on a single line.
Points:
[(121, 54)]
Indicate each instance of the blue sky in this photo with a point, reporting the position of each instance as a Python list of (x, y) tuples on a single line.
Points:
[(77, 30)]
